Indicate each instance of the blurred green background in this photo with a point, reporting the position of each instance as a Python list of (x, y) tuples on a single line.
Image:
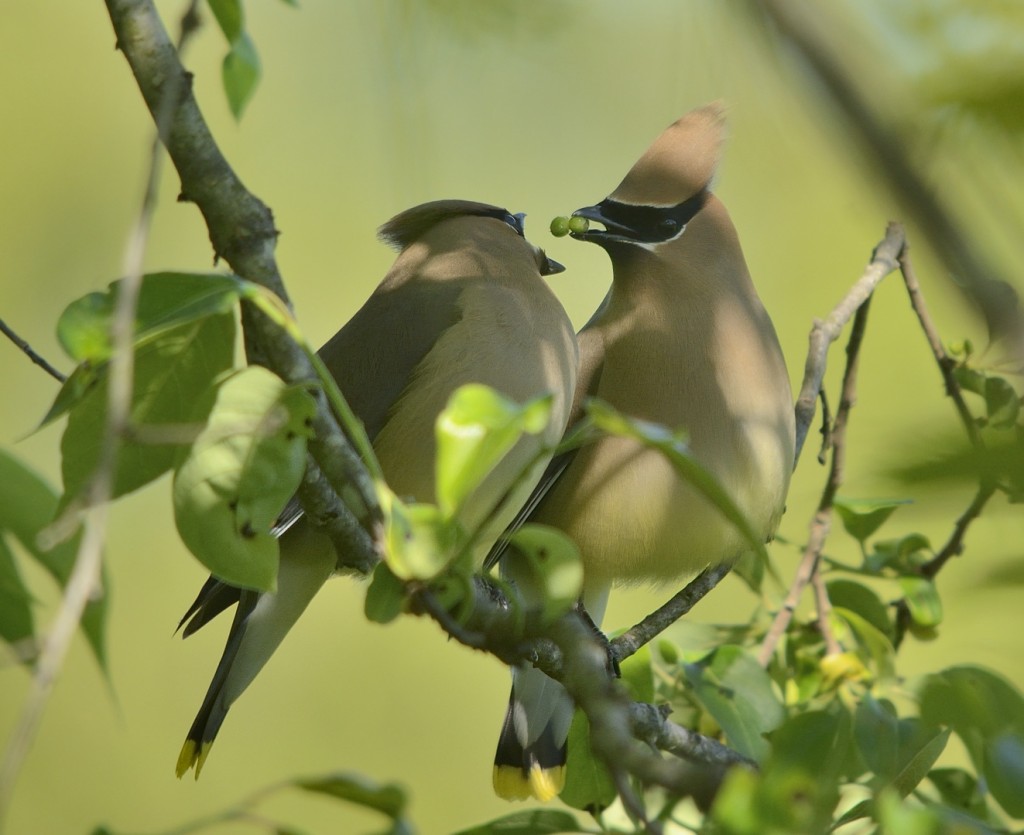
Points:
[(368, 107)]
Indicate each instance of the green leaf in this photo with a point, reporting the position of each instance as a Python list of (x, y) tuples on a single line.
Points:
[(27, 506), (385, 596), (83, 329), (959, 789), (921, 745), (17, 627), (739, 694), (1003, 767), (588, 785), (856, 597), (240, 473), (796, 788), (897, 818), (230, 16), (74, 389), (978, 704), (1001, 402), (876, 731), (172, 377), (872, 640), (673, 446), (862, 517), (389, 799), (241, 74), (166, 301), (529, 822), (553, 562), (987, 713), (970, 379), (903, 555), (638, 675), (923, 600), (475, 431)]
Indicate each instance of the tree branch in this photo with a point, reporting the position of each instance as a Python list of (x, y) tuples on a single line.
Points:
[(26, 349), (570, 653), (242, 232), (884, 260), (659, 620), (810, 563), (987, 487)]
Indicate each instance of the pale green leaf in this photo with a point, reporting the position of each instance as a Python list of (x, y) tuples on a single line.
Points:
[(477, 428), (240, 473), (923, 600), (420, 541)]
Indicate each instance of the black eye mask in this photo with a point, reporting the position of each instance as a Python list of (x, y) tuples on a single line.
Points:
[(642, 224)]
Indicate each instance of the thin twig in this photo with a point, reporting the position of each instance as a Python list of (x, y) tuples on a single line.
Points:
[(823, 610), (987, 487), (883, 261), (822, 521), (26, 349), (945, 362), (826, 427), (659, 620), (84, 581), (651, 724)]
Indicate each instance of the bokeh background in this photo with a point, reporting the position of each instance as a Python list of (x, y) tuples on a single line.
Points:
[(367, 107)]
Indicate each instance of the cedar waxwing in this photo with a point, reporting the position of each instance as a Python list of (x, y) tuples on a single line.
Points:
[(463, 303), (681, 340)]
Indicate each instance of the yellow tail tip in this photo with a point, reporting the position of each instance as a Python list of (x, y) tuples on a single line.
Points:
[(544, 784), (192, 754)]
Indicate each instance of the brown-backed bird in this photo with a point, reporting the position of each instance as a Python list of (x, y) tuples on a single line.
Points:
[(463, 303), (682, 340)]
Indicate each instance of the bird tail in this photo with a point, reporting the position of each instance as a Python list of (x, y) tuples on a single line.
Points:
[(214, 708), (261, 622), (532, 749)]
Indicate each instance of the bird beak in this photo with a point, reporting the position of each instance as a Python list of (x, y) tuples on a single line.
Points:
[(551, 266), (611, 231)]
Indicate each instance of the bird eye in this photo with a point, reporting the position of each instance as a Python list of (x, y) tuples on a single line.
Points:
[(668, 227), (516, 222)]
